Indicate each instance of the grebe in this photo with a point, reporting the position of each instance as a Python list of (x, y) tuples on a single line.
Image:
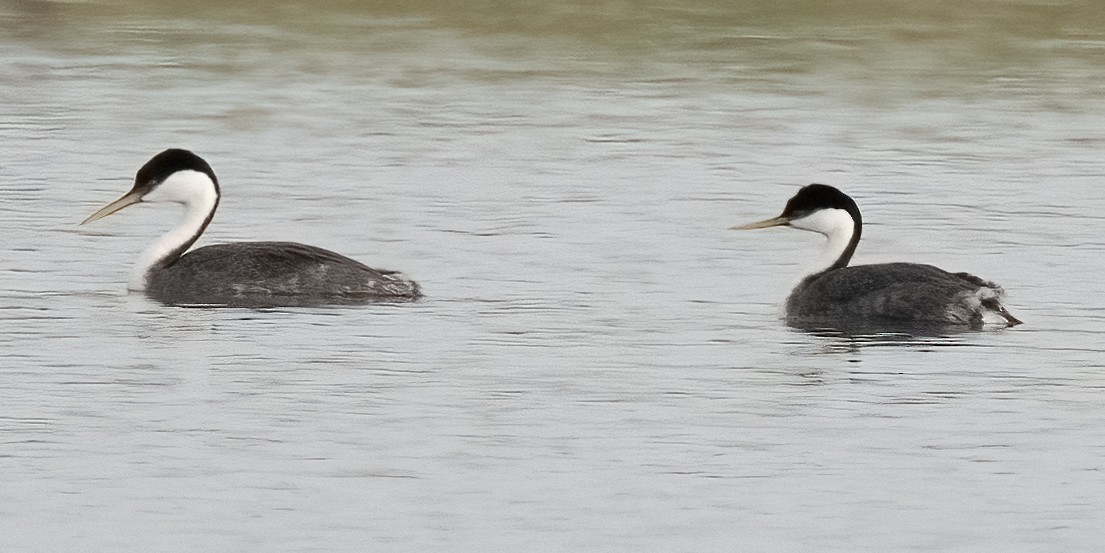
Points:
[(238, 273), (909, 293)]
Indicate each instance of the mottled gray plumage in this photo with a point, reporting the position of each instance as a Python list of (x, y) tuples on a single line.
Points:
[(894, 292), (273, 273)]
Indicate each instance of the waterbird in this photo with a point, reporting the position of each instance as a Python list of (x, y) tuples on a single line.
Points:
[(238, 273), (907, 293)]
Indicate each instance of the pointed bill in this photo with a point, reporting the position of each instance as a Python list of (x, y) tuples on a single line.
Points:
[(130, 198), (773, 222)]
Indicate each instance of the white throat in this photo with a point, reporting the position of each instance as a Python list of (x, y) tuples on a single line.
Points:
[(837, 226), (197, 193)]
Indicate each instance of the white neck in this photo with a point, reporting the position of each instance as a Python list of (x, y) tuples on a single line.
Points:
[(197, 193), (836, 225)]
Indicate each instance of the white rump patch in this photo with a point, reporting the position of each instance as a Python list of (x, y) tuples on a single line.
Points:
[(972, 302)]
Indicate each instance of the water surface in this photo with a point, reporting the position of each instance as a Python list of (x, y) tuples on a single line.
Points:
[(598, 364)]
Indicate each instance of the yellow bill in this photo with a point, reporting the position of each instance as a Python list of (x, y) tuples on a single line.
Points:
[(773, 222), (130, 198)]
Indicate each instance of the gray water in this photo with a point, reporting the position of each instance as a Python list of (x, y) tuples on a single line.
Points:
[(599, 365)]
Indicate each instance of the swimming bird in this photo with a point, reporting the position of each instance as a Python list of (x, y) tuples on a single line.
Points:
[(238, 273), (910, 293)]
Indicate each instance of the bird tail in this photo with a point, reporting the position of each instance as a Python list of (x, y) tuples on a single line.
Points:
[(995, 305)]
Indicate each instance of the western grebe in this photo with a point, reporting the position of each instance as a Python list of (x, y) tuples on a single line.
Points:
[(238, 273), (883, 293)]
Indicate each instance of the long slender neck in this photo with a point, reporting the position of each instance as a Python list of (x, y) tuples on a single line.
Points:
[(199, 208), (842, 233)]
